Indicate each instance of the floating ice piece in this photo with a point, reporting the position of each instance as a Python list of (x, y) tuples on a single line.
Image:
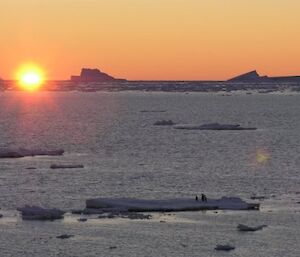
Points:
[(245, 228), (38, 213), (140, 205), (66, 166), (224, 247), (154, 111), (65, 236), (212, 126), (257, 197), (82, 219), (23, 152), (125, 215), (164, 123)]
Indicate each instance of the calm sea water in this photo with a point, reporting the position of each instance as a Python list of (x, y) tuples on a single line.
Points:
[(126, 156)]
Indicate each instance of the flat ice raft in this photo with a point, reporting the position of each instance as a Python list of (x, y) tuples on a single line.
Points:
[(139, 205), (213, 126), (23, 152), (38, 213)]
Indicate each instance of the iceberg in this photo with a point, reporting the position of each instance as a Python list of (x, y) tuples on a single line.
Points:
[(168, 205), (38, 213), (23, 152), (94, 75), (213, 126)]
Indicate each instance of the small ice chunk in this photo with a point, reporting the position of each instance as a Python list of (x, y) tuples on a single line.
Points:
[(82, 219), (245, 228), (64, 236), (224, 247), (66, 166), (164, 123)]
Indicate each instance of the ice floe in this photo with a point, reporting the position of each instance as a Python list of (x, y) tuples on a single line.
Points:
[(38, 213), (212, 126), (125, 215), (154, 111), (258, 197), (245, 228), (224, 247), (64, 236), (23, 152), (164, 123), (66, 166), (82, 219), (185, 204)]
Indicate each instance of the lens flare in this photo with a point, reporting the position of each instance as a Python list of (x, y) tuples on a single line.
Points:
[(262, 156), (30, 77)]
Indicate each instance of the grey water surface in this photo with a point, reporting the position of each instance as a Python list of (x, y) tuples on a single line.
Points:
[(112, 135)]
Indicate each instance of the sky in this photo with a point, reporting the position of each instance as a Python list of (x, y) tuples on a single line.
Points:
[(151, 39)]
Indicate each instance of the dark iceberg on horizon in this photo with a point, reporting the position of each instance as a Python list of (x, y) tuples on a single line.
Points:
[(254, 77), (93, 75), (251, 76)]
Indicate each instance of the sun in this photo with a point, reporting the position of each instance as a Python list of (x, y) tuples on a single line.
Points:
[(30, 77)]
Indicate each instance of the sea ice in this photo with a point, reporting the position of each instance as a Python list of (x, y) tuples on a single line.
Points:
[(23, 152), (140, 205), (38, 213), (245, 228), (212, 126), (64, 236), (164, 123), (66, 166), (224, 248)]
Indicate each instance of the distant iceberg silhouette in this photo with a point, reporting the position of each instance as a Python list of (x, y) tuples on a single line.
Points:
[(251, 76), (93, 75), (254, 77)]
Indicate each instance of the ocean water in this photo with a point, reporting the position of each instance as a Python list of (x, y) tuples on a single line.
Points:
[(112, 135)]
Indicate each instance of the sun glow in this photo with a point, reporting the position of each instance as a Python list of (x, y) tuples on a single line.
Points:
[(30, 77)]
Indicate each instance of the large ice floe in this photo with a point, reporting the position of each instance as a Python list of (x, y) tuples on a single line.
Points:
[(213, 126), (38, 213), (24, 152), (169, 205)]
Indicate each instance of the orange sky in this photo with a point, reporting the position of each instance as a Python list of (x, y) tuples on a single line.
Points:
[(151, 39)]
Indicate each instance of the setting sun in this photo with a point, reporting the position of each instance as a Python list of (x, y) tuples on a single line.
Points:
[(30, 77)]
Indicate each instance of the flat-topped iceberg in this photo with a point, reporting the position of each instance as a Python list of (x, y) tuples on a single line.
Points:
[(168, 205), (213, 126), (38, 213), (24, 152)]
